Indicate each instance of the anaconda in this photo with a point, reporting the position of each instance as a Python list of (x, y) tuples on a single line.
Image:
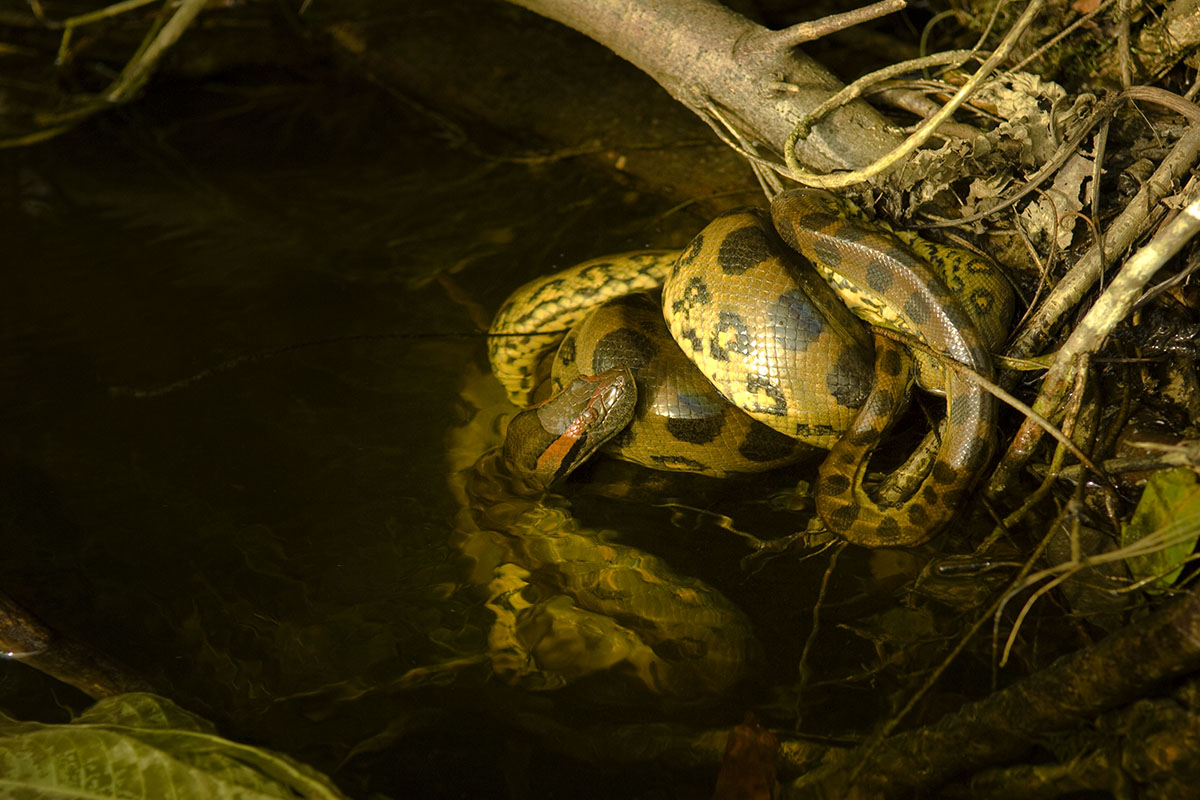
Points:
[(760, 308), (751, 302)]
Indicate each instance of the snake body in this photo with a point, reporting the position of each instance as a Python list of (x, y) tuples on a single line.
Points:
[(744, 303)]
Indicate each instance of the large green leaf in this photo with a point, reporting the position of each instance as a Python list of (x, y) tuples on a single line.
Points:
[(1166, 523), (140, 746)]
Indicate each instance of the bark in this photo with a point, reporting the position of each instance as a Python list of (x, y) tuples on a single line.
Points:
[(706, 55)]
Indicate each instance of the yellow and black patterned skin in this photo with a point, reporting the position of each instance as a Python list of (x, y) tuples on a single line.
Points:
[(681, 421), (882, 268), (760, 324), (527, 329)]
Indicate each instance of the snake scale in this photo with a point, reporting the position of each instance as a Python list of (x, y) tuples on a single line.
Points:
[(764, 361)]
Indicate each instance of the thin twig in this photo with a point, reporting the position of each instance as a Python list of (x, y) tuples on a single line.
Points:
[(927, 128), (810, 31), (1067, 31), (1089, 335), (1139, 214)]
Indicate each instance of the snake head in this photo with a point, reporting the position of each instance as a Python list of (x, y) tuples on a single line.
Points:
[(546, 442)]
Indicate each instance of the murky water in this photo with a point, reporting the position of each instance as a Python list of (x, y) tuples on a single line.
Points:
[(234, 344)]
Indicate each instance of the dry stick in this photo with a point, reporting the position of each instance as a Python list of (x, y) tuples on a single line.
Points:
[(1038, 494), (135, 74), (1123, 46), (811, 31), (953, 58), (1122, 232), (1007, 723), (926, 129), (24, 638), (1059, 37), (1112, 306)]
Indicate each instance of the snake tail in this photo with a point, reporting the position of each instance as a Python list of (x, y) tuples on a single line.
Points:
[(861, 259)]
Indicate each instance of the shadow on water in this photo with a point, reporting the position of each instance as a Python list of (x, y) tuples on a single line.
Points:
[(268, 538)]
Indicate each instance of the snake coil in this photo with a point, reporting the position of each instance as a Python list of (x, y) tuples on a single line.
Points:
[(766, 360)]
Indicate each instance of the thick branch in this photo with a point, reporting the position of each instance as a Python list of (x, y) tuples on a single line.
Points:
[(706, 55)]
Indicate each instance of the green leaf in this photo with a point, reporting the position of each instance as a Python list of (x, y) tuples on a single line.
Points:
[(138, 747), (1164, 527)]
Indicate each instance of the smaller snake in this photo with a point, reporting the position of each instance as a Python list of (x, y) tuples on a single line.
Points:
[(792, 367)]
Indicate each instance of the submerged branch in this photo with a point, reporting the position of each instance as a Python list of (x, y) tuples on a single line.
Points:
[(1006, 724)]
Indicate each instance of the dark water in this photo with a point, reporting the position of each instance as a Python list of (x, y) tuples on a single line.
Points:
[(235, 335)]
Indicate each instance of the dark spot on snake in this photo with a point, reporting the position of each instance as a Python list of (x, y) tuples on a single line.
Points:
[(981, 449), (888, 529), (819, 220), (881, 403), (842, 518), (693, 338), (944, 473), (835, 484), (807, 432), (916, 309), (828, 252), (956, 316), (850, 379), (879, 275), (622, 347), (786, 230), (566, 350), (701, 430), (689, 255), (851, 231), (918, 515), (696, 293), (730, 334), (940, 289), (763, 384), (983, 300), (890, 362), (794, 321), (743, 249), (931, 495), (862, 437), (763, 443)]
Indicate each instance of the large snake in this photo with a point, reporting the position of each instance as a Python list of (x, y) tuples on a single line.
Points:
[(748, 359), (767, 361)]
